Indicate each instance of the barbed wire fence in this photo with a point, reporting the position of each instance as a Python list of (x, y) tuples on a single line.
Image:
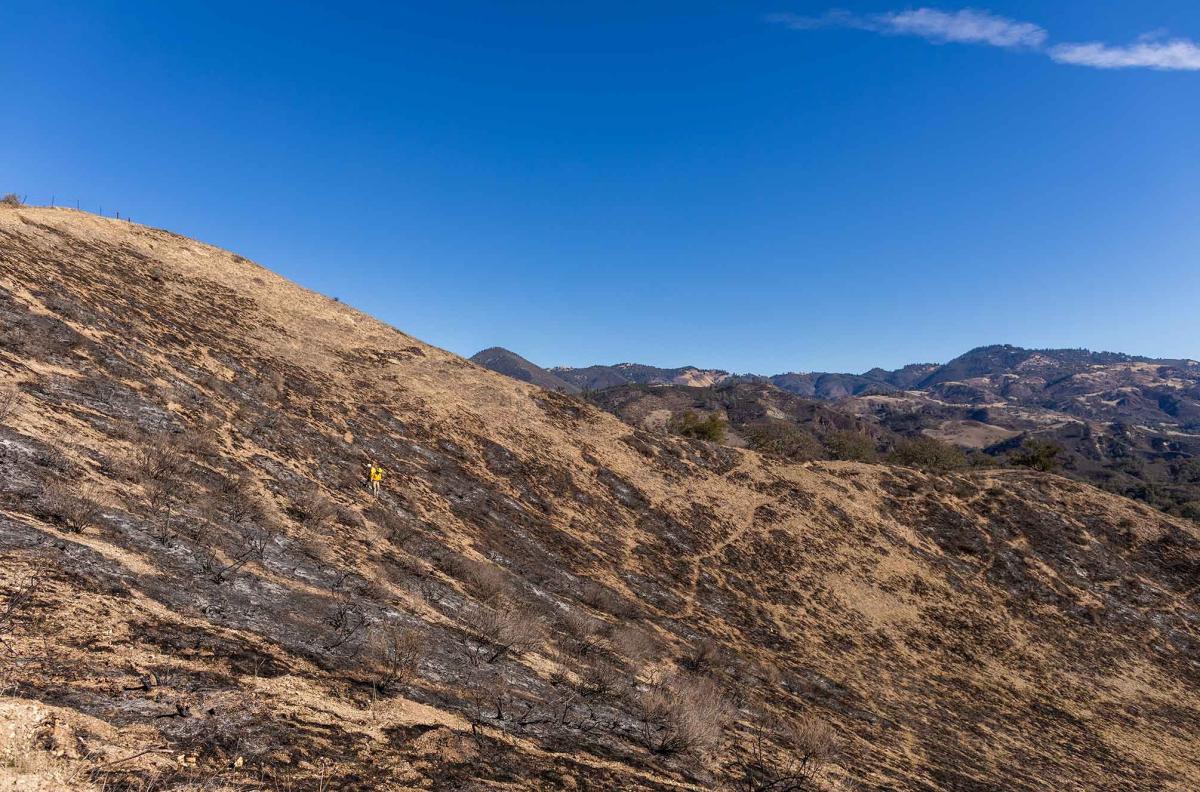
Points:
[(72, 203)]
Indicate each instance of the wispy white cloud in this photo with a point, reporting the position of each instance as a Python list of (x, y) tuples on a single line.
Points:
[(1172, 55), (967, 26), (971, 26)]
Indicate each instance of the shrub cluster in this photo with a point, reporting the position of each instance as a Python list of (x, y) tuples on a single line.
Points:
[(782, 438), (926, 452), (400, 652), (689, 424), (72, 507), (1037, 454), (505, 631), (681, 714), (784, 757), (851, 446)]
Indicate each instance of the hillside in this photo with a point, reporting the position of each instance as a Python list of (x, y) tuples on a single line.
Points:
[(823, 385), (197, 592), (511, 364), (756, 415), (1126, 423), (598, 377)]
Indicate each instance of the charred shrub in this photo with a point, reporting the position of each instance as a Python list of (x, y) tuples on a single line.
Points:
[(783, 757), (633, 643), (428, 587), (504, 632), (349, 517), (395, 527), (601, 682), (348, 621), (72, 507), (156, 458), (312, 510), (10, 397), (199, 441), (250, 543), (680, 714), (234, 727), (53, 458), (490, 699), (602, 598), (240, 504), (15, 605), (398, 656), (164, 512), (702, 656), (581, 634), (483, 579)]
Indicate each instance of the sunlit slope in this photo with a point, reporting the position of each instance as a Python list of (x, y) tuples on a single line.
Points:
[(534, 574)]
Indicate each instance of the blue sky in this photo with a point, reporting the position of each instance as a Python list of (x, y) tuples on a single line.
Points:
[(758, 186)]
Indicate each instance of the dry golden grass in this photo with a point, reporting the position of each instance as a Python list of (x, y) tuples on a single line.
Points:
[(951, 629)]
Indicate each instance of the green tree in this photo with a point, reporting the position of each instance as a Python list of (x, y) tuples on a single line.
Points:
[(774, 436), (852, 446), (925, 452), (689, 424), (1036, 454)]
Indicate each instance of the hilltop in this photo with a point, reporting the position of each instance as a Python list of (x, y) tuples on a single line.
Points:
[(198, 592), (511, 364)]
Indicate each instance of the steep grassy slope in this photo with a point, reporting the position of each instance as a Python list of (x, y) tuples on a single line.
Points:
[(542, 597)]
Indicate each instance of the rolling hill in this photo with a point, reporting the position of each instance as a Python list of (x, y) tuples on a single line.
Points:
[(1126, 423), (511, 364), (599, 377)]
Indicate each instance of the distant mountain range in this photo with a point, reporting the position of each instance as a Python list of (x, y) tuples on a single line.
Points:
[(818, 385), (1128, 423), (983, 362)]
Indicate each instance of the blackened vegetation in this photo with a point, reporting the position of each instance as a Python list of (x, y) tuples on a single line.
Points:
[(570, 606), (562, 409), (16, 605)]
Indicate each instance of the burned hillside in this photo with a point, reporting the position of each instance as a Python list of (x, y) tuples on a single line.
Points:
[(197, 591)]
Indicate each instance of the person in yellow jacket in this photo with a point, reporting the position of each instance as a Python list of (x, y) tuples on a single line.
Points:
[(374, 477)]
